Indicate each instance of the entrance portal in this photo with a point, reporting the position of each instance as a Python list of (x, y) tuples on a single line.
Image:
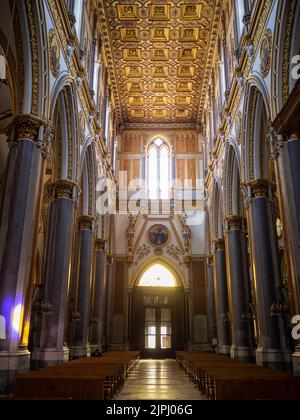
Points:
[(158, 315)]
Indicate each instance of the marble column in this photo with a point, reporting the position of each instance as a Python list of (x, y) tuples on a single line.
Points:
[(82, 273), (221, 298), (239, 292), (109, 314), (289, 172), (21, 196), (211, 309), (98, 300), (56, 272), (266, 272)]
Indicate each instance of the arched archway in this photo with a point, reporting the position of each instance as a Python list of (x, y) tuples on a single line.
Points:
[(158, 312)]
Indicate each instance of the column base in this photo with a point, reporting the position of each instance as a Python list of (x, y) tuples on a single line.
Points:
[(77, 352), (270, 358), (50, 357), (224, 350), (10, 365), (296, 361), (243, 354)]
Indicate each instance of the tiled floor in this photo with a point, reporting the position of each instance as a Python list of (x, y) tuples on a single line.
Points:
[(158, 380)]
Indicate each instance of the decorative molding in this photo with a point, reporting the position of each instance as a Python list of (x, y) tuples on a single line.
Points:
[(266, 53)]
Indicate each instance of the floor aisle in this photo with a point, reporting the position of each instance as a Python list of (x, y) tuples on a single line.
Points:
[(158, 380)]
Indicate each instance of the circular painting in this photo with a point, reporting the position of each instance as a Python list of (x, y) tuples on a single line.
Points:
[(158, 235)]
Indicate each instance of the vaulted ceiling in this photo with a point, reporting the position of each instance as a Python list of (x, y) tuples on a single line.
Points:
[(160, 56)]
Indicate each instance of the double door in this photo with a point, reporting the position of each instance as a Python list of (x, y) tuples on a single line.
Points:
[(158, 328)]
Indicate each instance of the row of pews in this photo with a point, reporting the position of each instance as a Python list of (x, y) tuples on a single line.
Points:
[(220, 378), (99, 378)]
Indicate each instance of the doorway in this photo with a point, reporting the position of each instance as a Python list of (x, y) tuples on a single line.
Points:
[(158, 329), (158, 322)]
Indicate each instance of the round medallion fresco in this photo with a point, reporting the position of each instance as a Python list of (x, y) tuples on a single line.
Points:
[(158, 235)]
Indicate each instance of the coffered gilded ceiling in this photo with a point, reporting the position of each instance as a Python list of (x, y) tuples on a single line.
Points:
[(160, 56)]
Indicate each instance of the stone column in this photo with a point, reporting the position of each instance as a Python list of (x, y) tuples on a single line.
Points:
[(239, 288), (98, 300), (266, 272), (211, 309), (109, 315), (221, 298), (82, 283), (56, 272), (289, 173), (21, 196)]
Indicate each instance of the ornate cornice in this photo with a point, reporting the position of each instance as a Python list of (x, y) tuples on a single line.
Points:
[(287, 121)]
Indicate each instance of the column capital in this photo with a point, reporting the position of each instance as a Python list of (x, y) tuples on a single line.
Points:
[(294, 136), (25, 127), (219, 244), (100, 244), (86, 223), (234, 222), (30, 128), (261, 188), (63, 189)]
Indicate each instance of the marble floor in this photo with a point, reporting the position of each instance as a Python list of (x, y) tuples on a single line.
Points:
[(158, 380)]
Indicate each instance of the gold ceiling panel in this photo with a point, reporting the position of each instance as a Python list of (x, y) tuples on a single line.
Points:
[(159, 12), (158, 55), (136, 101), (190, 11)]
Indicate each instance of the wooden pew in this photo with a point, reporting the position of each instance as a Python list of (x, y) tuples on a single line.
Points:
[(220, 378), (83, 379)]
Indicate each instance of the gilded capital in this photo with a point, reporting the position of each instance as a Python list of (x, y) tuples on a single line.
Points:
[(86, 223), (100, 244), (260, 188), (235, 222), (25, 127), (63, 189), (219, 245)]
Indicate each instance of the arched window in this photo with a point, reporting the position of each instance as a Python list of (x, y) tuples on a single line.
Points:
[(158, 276), (159, 170)]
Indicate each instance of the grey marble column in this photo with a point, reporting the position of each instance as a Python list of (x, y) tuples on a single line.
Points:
[(98, 300), (109, 315), (289, 169), (239, 292), (221, 298), (56, 272), (266, 272), (82, 273), (18, 214), (211, 309)]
